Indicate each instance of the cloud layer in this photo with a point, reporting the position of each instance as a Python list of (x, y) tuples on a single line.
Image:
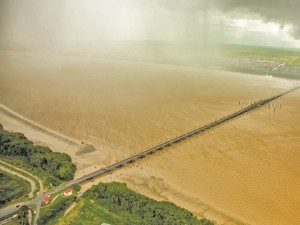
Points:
[(62, 22), (280, 11)]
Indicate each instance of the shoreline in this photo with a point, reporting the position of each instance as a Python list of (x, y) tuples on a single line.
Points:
[(46, 137), (36, 126)]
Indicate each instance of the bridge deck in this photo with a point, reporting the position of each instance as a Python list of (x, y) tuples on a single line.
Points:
[(179, 138)]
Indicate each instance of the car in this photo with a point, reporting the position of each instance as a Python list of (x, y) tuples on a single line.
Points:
[(104, 169)]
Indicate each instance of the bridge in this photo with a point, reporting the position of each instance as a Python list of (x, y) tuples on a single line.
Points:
[(175, 140), (133, 158)]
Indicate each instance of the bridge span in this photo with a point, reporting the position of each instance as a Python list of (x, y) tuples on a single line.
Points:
[(180, 138)]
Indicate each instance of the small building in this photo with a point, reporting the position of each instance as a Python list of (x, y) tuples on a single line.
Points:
[(46, 199), (68, 192)]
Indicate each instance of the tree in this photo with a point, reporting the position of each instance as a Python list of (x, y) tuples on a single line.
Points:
[(22, 215), (136, 209)]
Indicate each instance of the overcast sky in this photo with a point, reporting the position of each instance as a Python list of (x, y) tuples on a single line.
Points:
[(87, 22)]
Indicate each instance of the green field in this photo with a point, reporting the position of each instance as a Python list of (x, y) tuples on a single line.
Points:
[(278, 62), (15, 222), (86, 210), (12, 187), (280, 55)]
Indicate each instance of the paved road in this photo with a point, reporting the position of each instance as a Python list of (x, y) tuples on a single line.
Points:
[(11, 209), (38, 200)]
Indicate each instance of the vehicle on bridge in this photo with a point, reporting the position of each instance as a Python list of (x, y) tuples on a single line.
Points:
[(131, 161), (141, 156), (104, 169)]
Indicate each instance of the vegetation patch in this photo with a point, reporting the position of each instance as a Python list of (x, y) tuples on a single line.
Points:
[(14, 222), (87, 210), (52, 167), (279, 62), (115, 204), (51, 213), (280, 54), (22, 215), (12, 187)]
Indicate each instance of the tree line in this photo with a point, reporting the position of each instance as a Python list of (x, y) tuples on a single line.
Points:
[(136, 209), (57, 166)]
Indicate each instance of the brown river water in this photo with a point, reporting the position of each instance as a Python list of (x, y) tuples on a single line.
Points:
[(245, 171)]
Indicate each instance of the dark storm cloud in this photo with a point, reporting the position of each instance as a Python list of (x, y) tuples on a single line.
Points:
[(280, 11)]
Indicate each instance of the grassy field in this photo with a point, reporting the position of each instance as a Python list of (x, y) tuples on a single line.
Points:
[(259, 52), (279, 62), (12, 187), (15, 222), (89, 212), (86, 210)]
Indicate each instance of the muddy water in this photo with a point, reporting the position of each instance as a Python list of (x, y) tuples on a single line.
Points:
[(243, 169), (246, 170)]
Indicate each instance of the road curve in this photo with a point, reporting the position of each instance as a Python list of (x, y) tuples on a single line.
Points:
[(31, 176), (30, 181)]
